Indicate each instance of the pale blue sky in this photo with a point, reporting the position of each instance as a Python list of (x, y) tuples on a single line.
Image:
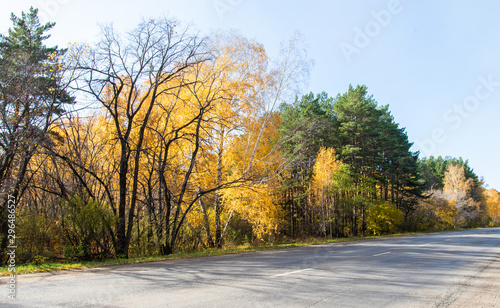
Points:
[(436, 63)]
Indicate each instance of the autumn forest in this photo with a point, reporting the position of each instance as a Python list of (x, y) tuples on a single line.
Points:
[(160, 140)]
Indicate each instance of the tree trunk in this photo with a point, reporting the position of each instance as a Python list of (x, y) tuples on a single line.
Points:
[(219, 240), (210, 241), (121, 249)]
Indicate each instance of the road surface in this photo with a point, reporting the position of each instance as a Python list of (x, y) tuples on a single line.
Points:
[(450, 269)]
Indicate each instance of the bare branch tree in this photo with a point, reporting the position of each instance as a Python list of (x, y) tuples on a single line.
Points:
[(127, 74)]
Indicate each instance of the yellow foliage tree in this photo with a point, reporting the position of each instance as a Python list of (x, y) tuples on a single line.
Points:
[(458, 191), (493, 204), (257, 204), (325, 167)]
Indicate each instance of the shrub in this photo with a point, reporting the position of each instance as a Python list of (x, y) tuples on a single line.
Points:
[(383, 217)]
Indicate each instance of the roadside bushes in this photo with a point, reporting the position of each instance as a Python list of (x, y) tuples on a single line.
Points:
[(81, 232), (37, 235), (86, 228), (383, 217)]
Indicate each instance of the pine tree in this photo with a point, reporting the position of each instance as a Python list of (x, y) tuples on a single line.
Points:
[(306, 126), (377, 151), (31, 98)]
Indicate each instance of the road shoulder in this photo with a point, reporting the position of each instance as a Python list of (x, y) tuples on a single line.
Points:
[(482, 290)]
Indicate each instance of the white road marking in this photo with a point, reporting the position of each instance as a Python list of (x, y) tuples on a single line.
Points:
[(381, 254), (425, 244), (294, 272)]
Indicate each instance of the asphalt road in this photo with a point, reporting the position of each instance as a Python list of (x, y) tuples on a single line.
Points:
[(432, 270)]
